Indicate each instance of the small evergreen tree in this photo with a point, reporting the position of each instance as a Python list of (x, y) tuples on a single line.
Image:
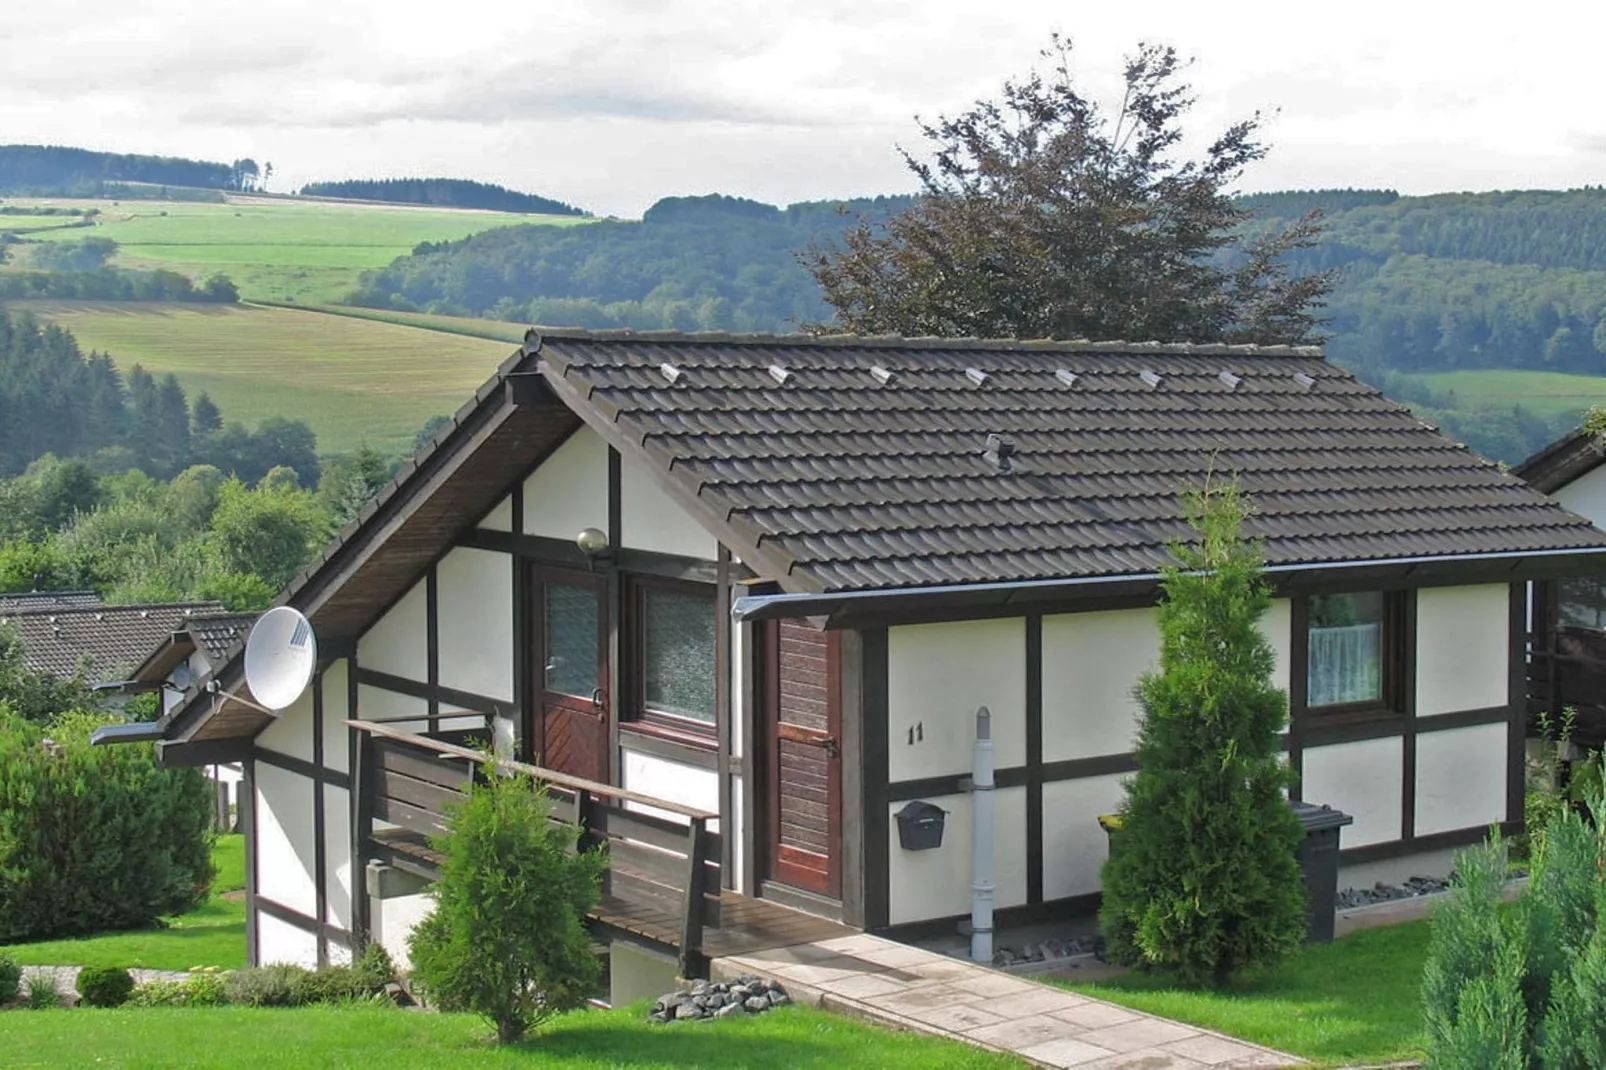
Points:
[(508, 939), (1202, 879)]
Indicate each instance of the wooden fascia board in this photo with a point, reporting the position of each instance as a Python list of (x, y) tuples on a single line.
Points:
[(788, 574)]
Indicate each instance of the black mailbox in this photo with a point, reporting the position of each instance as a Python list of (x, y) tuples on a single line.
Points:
[(920, 826)]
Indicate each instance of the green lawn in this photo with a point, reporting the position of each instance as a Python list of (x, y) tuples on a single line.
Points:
[(1543, 392), (212, 934), (1355, 1000), (794, 1037), (352, 379), (283, 249)]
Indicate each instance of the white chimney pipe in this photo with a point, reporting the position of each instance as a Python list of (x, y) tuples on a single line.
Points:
[(982, 804)]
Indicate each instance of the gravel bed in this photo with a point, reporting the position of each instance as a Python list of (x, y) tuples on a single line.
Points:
[(719, 999)]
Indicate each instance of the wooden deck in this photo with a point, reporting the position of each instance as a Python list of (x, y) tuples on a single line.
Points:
[(663, 885)]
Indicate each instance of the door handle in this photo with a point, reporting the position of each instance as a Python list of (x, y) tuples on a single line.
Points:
[(831, 746), (598, 698)]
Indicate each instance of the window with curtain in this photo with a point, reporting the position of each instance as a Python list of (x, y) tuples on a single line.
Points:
[(1345, 652), (1581, 602), (676, 652)]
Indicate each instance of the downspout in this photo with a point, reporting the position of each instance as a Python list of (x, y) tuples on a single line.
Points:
[(982, 802)]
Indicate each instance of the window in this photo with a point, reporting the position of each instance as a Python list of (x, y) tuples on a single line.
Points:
[(1581, 603), (674, 645), (1355, 651)]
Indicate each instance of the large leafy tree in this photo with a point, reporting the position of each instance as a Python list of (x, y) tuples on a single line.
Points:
[(1044, 216)]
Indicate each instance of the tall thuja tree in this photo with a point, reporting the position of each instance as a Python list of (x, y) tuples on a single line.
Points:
[(1202, 878)]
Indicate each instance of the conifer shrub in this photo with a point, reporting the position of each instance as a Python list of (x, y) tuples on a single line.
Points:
[(1204, 881), (104, 986), (1522, 985), (10, 979), (507, 939), (94, 838)]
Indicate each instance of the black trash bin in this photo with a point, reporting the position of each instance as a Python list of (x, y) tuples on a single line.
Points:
[(1317, 855), (1318, 864)]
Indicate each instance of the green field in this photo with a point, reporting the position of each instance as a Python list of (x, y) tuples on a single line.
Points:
[(1549, 393), (352, 379), (274, 249)]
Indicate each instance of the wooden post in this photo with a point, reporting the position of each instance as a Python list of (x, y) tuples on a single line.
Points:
[(691, 933), (362, 828)]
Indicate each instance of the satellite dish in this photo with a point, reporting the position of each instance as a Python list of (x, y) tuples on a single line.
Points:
[(280, 656)]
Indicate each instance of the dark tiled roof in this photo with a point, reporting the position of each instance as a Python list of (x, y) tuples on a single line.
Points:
[(1561, 462), (859, 463), (105, 641), (216, 633), (46, 601)]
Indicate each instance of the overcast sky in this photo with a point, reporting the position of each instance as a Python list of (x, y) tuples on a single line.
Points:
[(611, 104)]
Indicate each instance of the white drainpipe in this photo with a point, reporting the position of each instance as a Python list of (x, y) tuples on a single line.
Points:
[(981, 838)]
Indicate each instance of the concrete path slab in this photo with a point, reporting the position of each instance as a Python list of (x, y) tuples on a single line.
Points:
[(910, 988)]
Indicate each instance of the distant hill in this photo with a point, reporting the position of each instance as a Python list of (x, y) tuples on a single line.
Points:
[(691, 263), (59, 171), (442, 193)]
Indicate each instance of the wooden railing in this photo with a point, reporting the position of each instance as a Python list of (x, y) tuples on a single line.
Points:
[(663, 878)]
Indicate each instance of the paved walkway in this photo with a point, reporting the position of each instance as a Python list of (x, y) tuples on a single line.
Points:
[(909, 988)]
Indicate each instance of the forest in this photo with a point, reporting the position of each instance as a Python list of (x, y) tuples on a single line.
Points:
[(442, 193), (60, 171), (1489, 280)]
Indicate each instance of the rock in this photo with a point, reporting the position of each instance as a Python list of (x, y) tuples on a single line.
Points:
[(778, 997), (714, 1000), (757, 1004), (731, 1010), (687, 1011), (739, 992)]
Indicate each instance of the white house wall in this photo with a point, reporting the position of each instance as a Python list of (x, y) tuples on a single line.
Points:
[(291, 731), (337, 856), (648, 774), (1586, 495), (279, 941), (336, 736), (1074, 844), (286, 839), (378, 704), (650, 520), (1463, 644), (398, 642), (569, 491), (474, 613), (1364, 780), (1460, 778), (393, 921), (500, 518), (937, 677), (1091, 662), (935, 883)]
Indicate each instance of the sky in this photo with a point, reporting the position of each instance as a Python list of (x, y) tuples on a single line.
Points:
[(612, 104)]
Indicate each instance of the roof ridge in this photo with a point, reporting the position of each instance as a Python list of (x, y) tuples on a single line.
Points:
[(537, 336)]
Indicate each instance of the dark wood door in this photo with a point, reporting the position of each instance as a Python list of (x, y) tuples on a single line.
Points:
[(804, 723), (569, 718)]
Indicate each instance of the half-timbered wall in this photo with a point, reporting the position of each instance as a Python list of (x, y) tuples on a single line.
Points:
[(1064, 716)]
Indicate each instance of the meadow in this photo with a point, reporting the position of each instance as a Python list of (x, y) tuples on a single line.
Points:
[(354, 380), (1548, 393), (279, 249)]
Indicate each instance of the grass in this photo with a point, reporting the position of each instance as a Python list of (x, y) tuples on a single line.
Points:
[(213, 934), (1354, 1000), (1550, 393), (798, 1038), (283, 249), (352, 379)]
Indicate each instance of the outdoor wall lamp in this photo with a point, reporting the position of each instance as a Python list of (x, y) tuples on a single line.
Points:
[(593, 542)]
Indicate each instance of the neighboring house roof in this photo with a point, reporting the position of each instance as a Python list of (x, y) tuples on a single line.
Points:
[(103, 642), (46, 601), (1564, 460), (835, 464), (214, 635)]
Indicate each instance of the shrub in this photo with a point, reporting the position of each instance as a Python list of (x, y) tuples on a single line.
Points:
[(196, 990), (375, 967), (43, 992), (507, 939), (331, 984), (10, 979), (104, 986), (1205, 882), (94, 838), (273, 985)]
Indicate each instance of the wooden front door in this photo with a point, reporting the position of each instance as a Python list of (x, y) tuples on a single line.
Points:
[(804, 724), (569, 718)]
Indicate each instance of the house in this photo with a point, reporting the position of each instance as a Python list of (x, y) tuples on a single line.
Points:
[(1567, 658), (757, 587), (72, 633)]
